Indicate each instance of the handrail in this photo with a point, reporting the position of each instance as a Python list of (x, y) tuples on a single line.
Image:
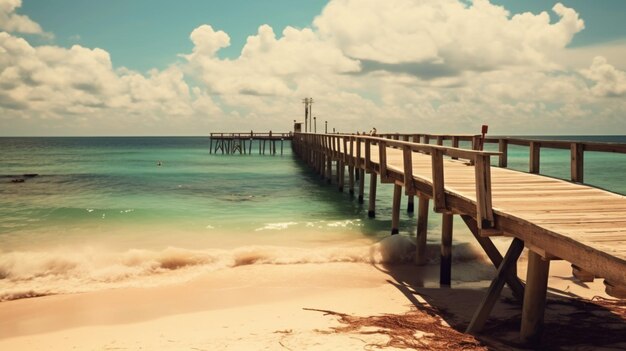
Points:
[(577, 148), (335, 146), (577, 152)]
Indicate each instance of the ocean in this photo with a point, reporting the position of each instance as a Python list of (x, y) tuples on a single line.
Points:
[(102, 213)]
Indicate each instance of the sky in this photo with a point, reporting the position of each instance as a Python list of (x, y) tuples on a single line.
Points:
[(156, 67)]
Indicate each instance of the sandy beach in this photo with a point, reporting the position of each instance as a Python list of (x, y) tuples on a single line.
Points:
[(287, 307)]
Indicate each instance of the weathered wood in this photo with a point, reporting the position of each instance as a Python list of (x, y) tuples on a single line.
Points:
[(410, 207), (340, 175), (577, 162), (535, 153), (422, 229), (614, 290), (351, 180), (445, 270), (439, 197), (407, 157), (534, 299), (514, 283), (455, 143), (484, 210), (503, 147), (495, 288), (395, 209), (382, 161), (361, 185), (581, 274), (371, 210)]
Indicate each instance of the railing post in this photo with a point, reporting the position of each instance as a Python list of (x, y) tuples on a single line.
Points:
[(455, 143), (368, 155), (439, 196), (534, 157), (577, 162), (358, 152), (503, 148), (382, 161), (408, 170), (484, 210)]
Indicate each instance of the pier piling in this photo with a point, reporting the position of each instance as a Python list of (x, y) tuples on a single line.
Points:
[(445, 272), (422, 229), (395, 210), (371, 210)]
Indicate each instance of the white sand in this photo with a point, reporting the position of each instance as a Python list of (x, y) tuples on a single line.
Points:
[(256, 307)]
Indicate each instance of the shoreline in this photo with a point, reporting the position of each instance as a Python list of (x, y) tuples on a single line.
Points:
[(262, 306)]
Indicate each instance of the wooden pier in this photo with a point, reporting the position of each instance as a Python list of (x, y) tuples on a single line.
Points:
[(231, 143), (553, 218)]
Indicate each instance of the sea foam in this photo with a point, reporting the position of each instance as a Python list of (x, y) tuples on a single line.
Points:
[(36, 273)]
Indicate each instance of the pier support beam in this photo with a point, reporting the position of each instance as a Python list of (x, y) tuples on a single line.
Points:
[(361, 174), (504, 271), (410, 207), (534, 299), (371, 210), (395, 209), (340, 175), (329, 169), (516, 286), (351, 180), (422, 230), (445, 272)]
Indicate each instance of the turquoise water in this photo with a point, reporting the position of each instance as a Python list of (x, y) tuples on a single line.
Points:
[(102, 213)]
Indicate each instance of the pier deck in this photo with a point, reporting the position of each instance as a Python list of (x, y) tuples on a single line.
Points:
[(553, 218)]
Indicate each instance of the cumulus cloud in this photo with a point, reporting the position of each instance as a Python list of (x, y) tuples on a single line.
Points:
[(52, 82), (395, 64), (267, 65), (12, 22), (449, 33), (609, 81)]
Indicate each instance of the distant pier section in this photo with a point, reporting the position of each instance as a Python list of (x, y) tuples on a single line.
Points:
[(231, 143)]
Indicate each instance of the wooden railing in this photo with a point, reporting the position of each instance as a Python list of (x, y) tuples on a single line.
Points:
[(252, 135), (347, 148), (577, 152), (577, 148)]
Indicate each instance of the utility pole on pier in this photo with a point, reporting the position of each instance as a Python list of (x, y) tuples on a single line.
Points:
[(308, 102), (315, 125), (325, 127)]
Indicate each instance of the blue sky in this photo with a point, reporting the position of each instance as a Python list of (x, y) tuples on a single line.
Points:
[(144, 34), (156, 67)]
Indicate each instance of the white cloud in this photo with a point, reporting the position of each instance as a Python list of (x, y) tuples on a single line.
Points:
[(12, 22), (397, 65), (609, 81), (50, 82), (481, 36)]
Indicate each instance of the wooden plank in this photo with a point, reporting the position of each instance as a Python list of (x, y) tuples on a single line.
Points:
[(534, 299), (495, 288)]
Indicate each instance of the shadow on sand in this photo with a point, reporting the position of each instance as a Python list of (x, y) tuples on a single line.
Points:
[(571, 323)]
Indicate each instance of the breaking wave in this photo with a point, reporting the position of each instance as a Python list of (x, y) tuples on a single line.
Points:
[(26, 274)]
